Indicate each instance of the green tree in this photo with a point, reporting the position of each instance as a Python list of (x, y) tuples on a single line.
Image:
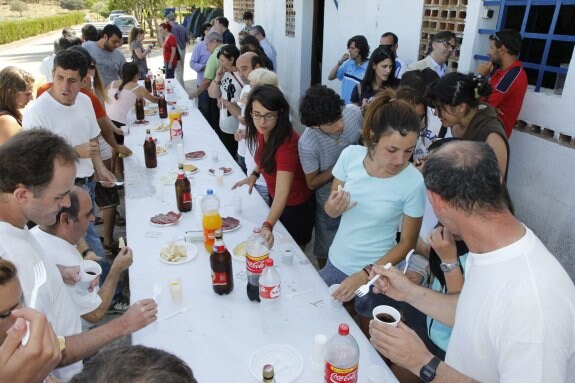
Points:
[(18, 6)]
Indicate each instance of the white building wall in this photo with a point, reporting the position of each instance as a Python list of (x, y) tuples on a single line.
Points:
[(540, 178)]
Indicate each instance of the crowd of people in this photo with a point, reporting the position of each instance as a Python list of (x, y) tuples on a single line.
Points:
[(403, 157)]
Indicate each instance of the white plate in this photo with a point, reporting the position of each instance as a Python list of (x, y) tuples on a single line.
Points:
[(165, 224), (164, 152), (234, 229), (192, 253), (225, 174), (287, 362), (169, 179), (196, 159)]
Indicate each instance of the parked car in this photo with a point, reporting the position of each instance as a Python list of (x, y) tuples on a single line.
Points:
[(115, 14), (126, 23)]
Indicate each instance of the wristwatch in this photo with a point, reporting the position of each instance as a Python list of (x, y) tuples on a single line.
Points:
[(447, 267), (427, 372)]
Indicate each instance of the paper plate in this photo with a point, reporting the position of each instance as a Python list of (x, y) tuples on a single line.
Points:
[(287, 362), (192, 252), (165, 224), (196, 159)]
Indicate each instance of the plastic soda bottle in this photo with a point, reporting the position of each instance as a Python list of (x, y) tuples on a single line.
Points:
[(211, 220), (341, 357), (270, 294), (257, 251)]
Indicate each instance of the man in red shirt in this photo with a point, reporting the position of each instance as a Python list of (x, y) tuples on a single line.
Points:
[(509, 82)]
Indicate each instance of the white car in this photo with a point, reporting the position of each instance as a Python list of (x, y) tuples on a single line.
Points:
[(114, 14), (126, 23)]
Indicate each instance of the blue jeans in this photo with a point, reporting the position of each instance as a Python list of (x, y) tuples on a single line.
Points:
[(169, 72)]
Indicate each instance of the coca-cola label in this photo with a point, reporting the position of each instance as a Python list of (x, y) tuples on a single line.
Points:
[(269, 292), (219, 278), (339, 375), (256, 264), (187, 197)]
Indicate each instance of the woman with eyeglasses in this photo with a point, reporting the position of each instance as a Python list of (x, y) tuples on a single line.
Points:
[(270, 131), (380, 74), (15, 93), (226, 88), (457, 102), (441, 47), (375, 191)]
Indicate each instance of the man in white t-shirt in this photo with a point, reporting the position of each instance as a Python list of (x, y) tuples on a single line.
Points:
[(514, 318), (59, 243), (37, 170)]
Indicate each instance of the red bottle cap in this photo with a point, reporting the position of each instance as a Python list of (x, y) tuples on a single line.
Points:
[(343, 329), (269, 262)]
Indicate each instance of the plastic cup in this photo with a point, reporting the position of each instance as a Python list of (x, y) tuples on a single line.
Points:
[(126, 130), (334, 302), (287, 255), (180, 153), (376, 374), (319, 348), (237, 203), (175, 285), (383, 309), (89, 270), (215, 155), (219, 173)]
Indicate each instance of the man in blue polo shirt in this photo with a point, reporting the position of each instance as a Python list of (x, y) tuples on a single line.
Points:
[(351, 66)]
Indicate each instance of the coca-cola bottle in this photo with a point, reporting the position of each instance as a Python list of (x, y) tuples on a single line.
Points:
[(148, 84), (221, 264), (341, 357), (162, 107), (268, 374), (257, 251), (140, 116), (155, 87), (183, 191), (270, 298), (150, 155)]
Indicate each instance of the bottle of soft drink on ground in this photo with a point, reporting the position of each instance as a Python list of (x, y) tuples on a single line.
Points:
[(341, 357), (270, 298), (211, 220), (257, 251), (221, 264)]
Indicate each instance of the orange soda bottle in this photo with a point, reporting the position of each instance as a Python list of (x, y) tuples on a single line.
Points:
[(211, 220)]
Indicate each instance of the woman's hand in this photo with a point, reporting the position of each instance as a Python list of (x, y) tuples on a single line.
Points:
[(346, 292), (250, 181), (268, 235), (339, 201), (239, 134), (443, 243)]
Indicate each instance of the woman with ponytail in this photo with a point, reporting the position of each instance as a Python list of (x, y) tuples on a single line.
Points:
[(456, 100)]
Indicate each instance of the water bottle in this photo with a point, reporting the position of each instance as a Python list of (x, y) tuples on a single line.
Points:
[(341, 357), (257, 251), (176, 133), (270, 298)]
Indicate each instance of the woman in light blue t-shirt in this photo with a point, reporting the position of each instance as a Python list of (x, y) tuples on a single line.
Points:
[(375, 191)]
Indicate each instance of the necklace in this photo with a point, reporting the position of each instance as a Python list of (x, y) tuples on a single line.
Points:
[(336, 138)]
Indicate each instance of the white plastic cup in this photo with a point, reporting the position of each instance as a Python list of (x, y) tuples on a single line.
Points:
[(384, 309), (180, 153), (175, 285), (219, 173), (376, 374), (237, 203), (287, 255), (215, 155), (319, 348), (89, 270), (334, 302), (126, 130)]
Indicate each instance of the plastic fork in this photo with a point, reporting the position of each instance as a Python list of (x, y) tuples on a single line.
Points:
[(39, 280), (180, 311), (364, 289), (407, 258)]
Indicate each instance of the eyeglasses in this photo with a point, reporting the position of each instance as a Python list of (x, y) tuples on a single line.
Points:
[(448, 45), (267, 116)]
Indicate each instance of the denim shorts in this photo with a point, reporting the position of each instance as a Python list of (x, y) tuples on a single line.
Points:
[(364, 305)]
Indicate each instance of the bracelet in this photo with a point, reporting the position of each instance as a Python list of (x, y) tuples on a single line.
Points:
[(85, 252), (255, 174), (268, 225), (367, 269)]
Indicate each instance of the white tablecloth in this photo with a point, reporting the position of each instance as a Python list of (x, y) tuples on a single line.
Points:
[(218, 334)]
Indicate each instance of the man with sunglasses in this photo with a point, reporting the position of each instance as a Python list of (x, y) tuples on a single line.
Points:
[(441, 47), (509, 81)]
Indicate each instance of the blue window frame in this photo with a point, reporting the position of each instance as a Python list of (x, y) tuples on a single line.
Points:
[(548, 33)]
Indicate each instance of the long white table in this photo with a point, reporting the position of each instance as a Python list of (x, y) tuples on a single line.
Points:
[(217, 334)]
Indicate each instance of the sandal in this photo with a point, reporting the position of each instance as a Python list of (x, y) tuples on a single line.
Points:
[(120, 221)]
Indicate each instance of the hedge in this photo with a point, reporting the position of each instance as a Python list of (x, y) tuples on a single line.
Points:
[(15, 30)]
